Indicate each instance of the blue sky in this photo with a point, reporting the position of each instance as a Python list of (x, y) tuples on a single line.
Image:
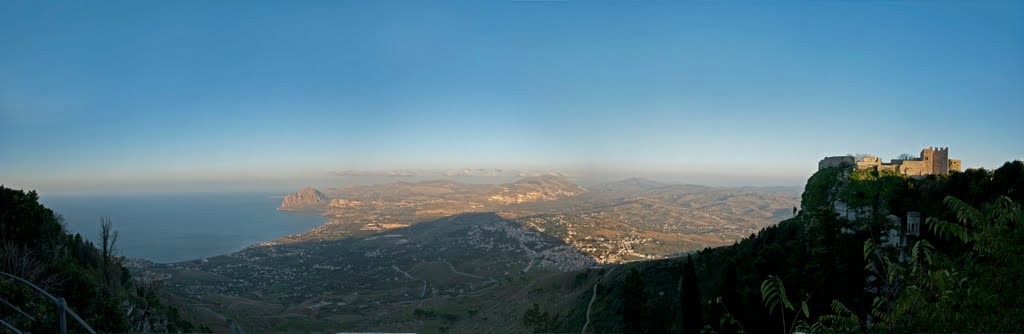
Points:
[(147, 93)]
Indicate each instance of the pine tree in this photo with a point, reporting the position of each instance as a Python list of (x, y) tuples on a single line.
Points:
[(635, 314), (689, 298)]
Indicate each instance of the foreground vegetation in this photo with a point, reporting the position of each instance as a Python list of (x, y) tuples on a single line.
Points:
[(36, 246), (843, 264), (821, 272)]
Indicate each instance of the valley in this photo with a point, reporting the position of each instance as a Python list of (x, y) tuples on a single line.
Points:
[(525, 166), (442, 255), (377, 281), (613, 222)]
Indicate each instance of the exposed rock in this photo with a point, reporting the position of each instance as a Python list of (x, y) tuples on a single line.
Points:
[(536, 188), (307, 199)]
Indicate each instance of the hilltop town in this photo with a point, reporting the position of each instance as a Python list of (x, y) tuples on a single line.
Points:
[(931, 161)]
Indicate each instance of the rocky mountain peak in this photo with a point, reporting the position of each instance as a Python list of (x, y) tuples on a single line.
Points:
[(307, 199)]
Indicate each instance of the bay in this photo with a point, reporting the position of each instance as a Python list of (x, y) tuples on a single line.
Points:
[(170, 228)]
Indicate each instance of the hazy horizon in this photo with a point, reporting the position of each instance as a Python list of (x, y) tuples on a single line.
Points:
[(371, 177), (209, 96)]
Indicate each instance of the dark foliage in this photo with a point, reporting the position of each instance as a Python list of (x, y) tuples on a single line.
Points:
[(690, 301), (541, 322), (36, 247), (818, 256)]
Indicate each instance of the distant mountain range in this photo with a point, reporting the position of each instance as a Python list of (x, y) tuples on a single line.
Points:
[(537, 188), (463, 172), (528, 189), (639, 185)]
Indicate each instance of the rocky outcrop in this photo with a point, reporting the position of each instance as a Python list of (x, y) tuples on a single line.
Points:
[(308, 199), (536, 188)]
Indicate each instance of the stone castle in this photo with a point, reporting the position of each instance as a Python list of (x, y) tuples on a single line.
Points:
[(933, 160)]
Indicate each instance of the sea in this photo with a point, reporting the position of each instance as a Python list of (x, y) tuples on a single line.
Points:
[(168, 228)]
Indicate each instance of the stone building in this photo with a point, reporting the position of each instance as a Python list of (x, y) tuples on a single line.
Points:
[(875, 163), (840, 161), (933, 160), (914, 223)]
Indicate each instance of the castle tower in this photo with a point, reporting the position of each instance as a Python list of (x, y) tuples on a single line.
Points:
[(936, 160), (940, 160), (926, 156)]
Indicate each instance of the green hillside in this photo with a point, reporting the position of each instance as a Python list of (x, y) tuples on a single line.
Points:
[(962, 274), (36, 246)]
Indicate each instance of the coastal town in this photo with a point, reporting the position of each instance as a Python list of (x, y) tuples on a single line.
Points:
[(407, 244)]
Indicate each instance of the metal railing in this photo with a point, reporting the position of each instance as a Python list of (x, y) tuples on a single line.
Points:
[(62, 308)]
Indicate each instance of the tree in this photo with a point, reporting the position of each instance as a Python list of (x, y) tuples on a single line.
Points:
[(1009, 180), (993, 270), (108, 242), (689, 298), (967, 276), (35, 246), (977, 288), (906, 156), (985, 229), (634, 299), (108, 237), (773, 293), (542, 322)]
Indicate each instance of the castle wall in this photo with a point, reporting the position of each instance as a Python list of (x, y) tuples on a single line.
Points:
[(915, 167), (954, 165), (932, 161), (876, 164), (841, 161), (869, 162)]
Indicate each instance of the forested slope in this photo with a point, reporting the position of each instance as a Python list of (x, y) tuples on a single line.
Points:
[(964, 272), (36, 246)]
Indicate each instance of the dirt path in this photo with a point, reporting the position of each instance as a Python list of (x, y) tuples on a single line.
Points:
[(529, 266), (461, 273), (403, 272), (593, 297), (422, 294)]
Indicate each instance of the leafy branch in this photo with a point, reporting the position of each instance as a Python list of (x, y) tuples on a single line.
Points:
[(773, 293)]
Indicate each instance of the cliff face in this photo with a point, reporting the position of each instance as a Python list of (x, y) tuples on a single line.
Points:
[(308, 199)]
